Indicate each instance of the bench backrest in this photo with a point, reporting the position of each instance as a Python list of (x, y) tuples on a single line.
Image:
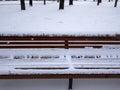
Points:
[(57, 41)]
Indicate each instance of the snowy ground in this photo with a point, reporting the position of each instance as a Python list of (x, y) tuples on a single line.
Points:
[(83, 18), (60, 84)]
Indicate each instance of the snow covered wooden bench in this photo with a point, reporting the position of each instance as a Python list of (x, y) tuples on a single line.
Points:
[(58, 41), (59, 57)]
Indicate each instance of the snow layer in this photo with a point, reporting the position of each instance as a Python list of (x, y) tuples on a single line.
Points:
[(83, 18), (31, 61), (60, 84)]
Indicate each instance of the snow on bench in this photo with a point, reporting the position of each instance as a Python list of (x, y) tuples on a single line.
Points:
[(59, 61), (59, 56), (34, 63)]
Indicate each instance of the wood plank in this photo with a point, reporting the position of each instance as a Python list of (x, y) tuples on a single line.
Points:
[(51, 76), (18, 47), (115, 38)]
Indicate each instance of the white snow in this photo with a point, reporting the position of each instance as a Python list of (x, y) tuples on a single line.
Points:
[(25, 61), (83, 18), (60, 84)]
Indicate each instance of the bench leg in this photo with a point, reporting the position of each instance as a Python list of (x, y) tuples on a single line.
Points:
[(70, 84)]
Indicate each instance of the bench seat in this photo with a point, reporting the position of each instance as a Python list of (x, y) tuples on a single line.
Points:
[(60, 63)]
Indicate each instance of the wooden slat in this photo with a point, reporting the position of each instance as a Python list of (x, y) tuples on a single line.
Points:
[(18, 47), (3, 47), (47, 46), (60, 42), (117, 37), (3, 42), (50, 76), (85, 46), (37, 42), (111, 43)]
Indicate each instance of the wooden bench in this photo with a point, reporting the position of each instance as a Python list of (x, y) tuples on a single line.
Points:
[(65, 42), (57, 41)]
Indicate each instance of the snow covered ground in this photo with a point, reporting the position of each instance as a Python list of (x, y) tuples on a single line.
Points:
[(60, 84), (83, 18)]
